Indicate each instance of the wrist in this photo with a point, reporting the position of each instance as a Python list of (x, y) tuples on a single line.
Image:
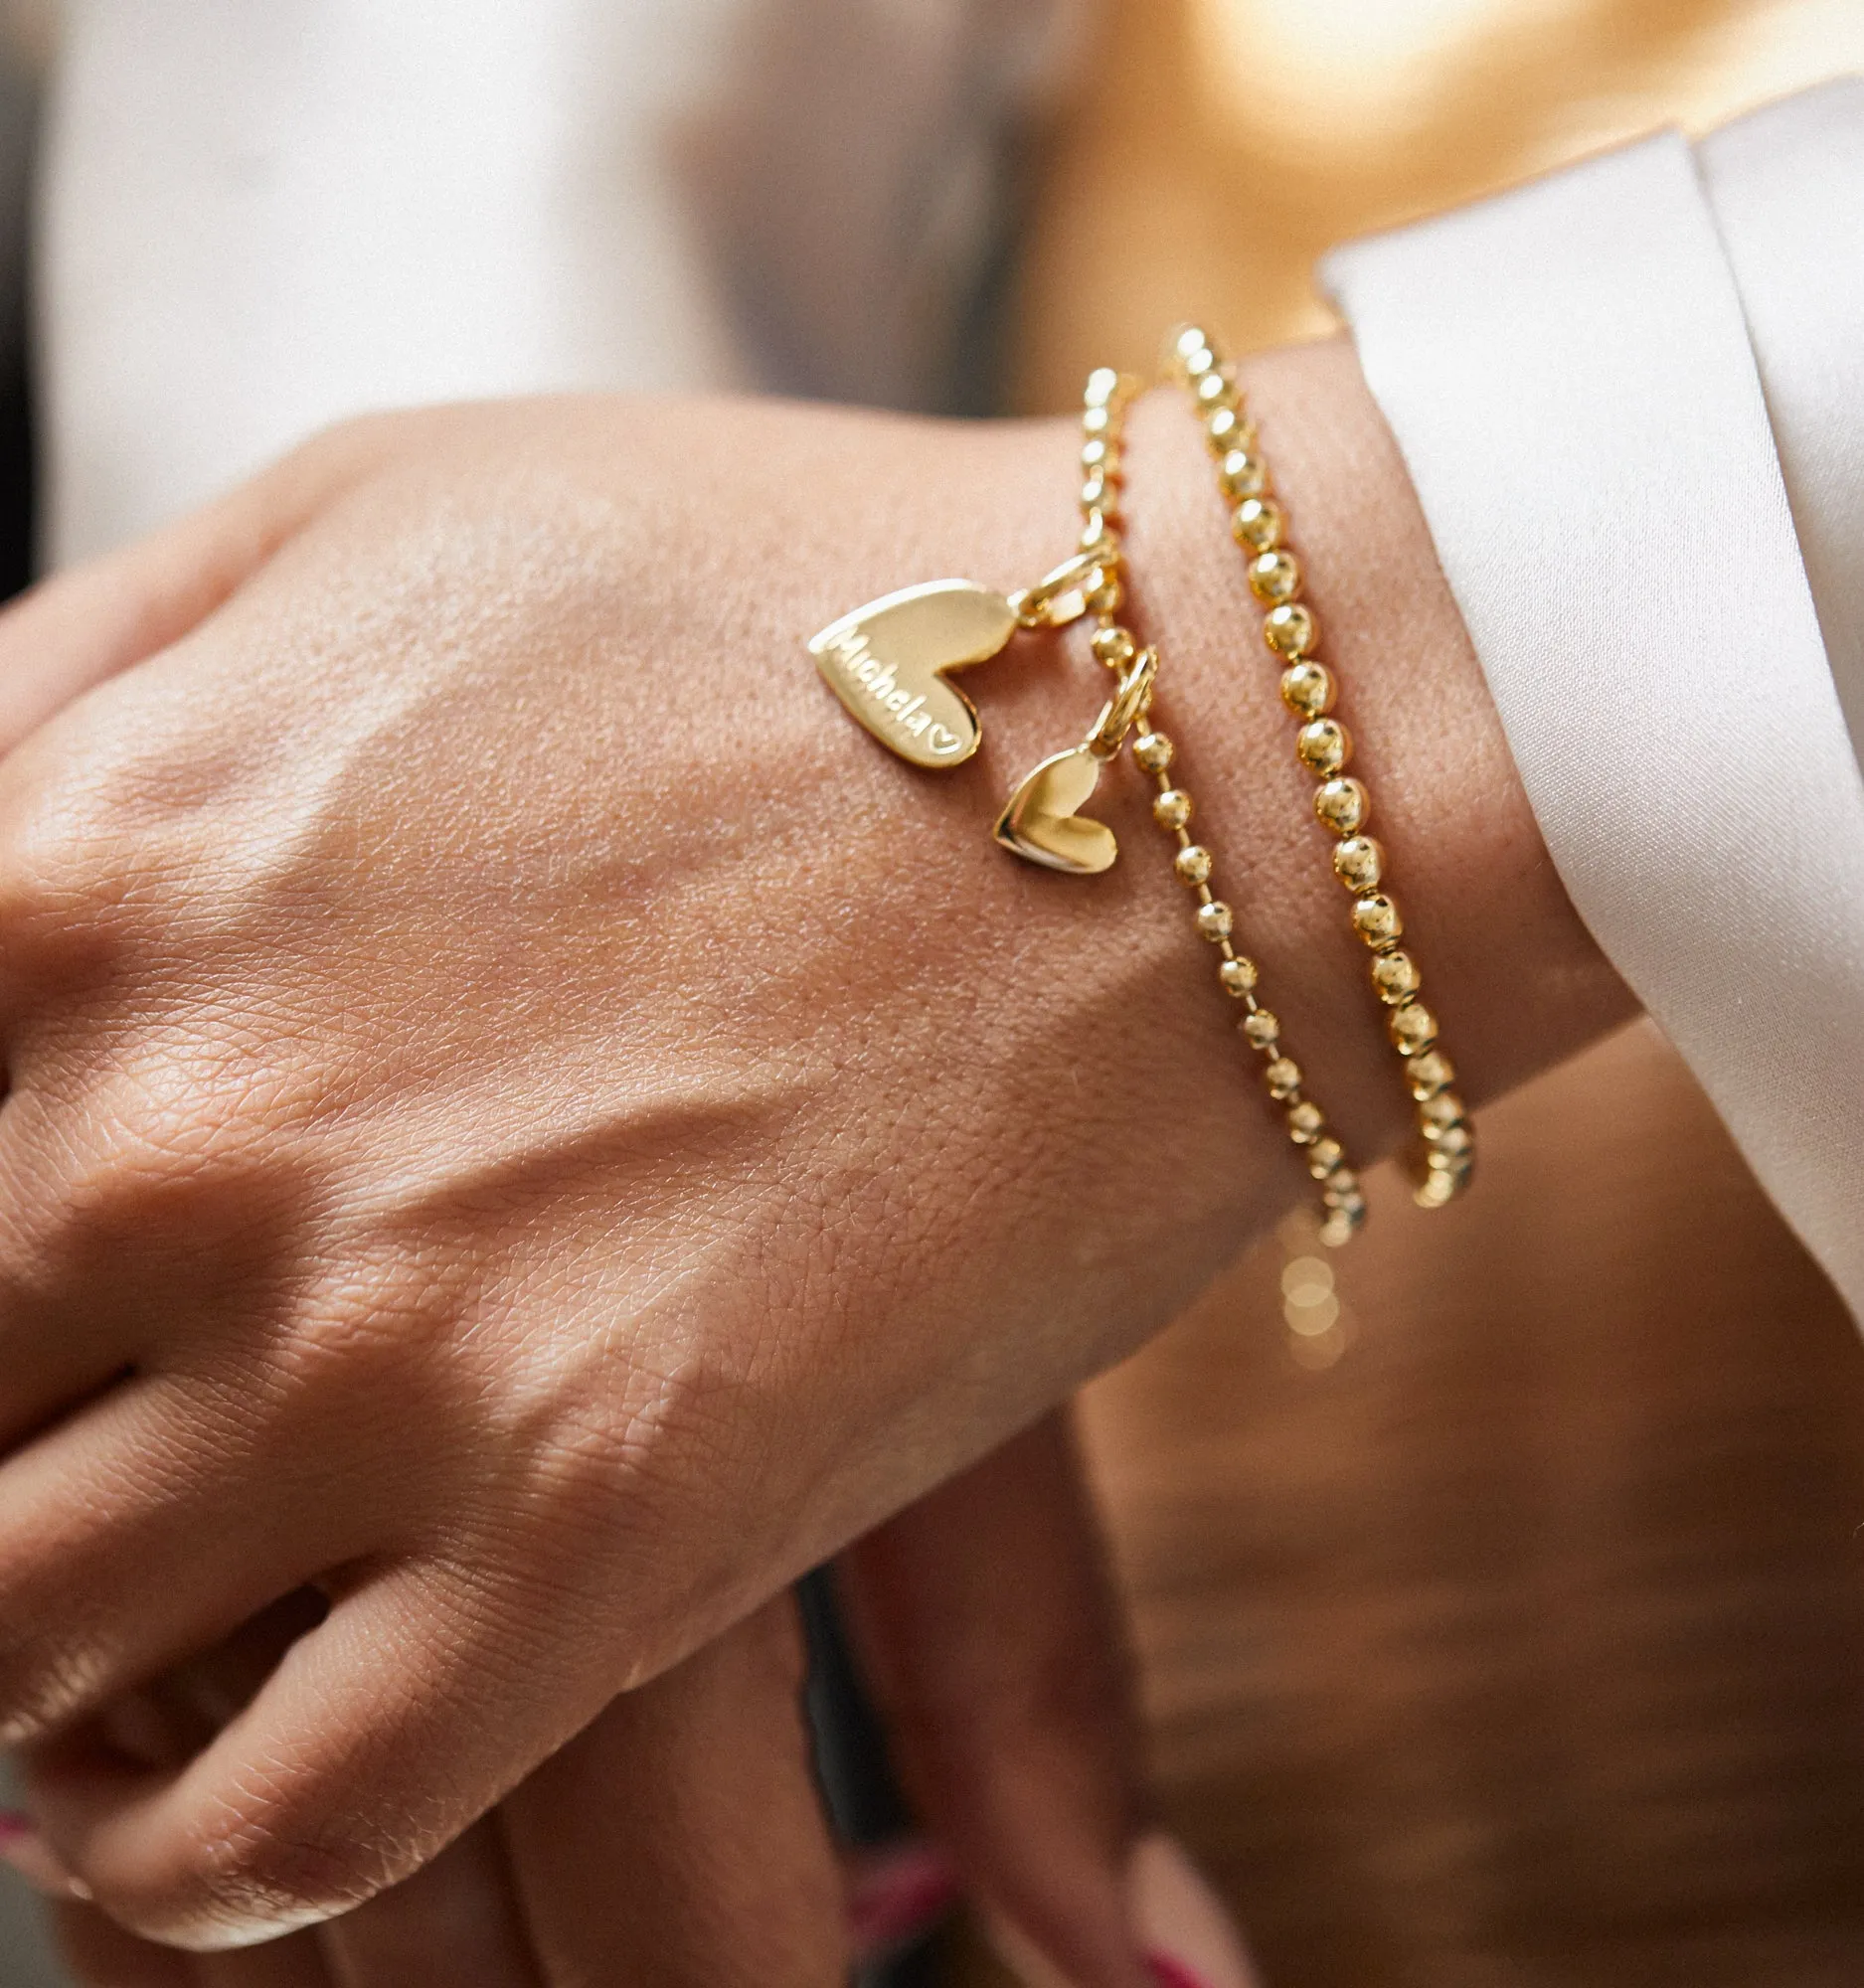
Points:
[(1075, 1026), (1513, 976)]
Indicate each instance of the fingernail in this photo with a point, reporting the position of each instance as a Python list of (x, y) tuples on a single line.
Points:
[(896, 1894), (1186, 1932), (1169, 1973), (33, 1858)]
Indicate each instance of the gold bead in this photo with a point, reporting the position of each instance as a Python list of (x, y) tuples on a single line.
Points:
[(1192, 865), (1237, 975), (1456, 1140), (1376, 920), (1433, 1113), (1396, 976), (1257, 523), (1343, 1188), (1262, 1028), (1307, 687), (1305, 1122), (1428, 1073), (1227, 428), (1097, 419), (1325, 746), (1359, 862), (1214, 389), (1107, 597), (1283, 1077), (1290, 630), (1435, 1190), (1188, 344), (1153, 749), (1099, 493), (1172, 808), (1214, 919), (1243, 475), (1113, 646), (1340, 1226), (1446, 1177), (1100, 454), (1343, 806), (1323, 1157), (1275, 576), (1412, 1028), (1103, 385)]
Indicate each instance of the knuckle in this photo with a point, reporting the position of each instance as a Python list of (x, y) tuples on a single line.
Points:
[(266, 1874), (164, 1157), (245, 1870), (109, 847), (388, 1306), (61, 867)]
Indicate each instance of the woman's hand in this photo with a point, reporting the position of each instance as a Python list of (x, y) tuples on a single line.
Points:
[(524, 1117)]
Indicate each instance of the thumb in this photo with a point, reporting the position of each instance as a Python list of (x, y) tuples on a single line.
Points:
[(988, 1628)]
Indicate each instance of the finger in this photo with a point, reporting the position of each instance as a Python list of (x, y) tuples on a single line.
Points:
[(94, 621), (169, 1720), (101, 1954), (680, 1840), (364, 1755), (165, 1723), (985, 1620), (121, 1553), (456, 1921)]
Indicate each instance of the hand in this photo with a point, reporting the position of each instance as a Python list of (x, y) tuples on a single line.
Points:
[(679, 1837), (523, 1118)]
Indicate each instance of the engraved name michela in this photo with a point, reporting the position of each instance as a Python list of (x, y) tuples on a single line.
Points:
[(901, 705)]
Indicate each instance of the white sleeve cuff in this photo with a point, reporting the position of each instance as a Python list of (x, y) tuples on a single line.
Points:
[(1569, 373)]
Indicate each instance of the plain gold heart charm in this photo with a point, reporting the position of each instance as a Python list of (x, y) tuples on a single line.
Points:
[(1040, 823), (887, 662)]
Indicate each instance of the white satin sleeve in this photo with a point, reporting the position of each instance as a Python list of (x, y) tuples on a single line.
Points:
[(1631, 398)]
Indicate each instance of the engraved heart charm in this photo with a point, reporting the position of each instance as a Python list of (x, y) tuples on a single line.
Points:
[(1040, 823), (887, 662)]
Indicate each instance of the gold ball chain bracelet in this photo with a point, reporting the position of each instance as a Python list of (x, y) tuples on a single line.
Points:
[(1343, 1202), (1446, 1152)]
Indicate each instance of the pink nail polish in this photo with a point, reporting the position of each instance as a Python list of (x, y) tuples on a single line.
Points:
[(33, 1858), (897, 1893), (1186, 1932), (1170, 1973)]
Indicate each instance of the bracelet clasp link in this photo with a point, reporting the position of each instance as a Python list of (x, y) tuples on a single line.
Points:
[(1061, 597), (1128, 703)]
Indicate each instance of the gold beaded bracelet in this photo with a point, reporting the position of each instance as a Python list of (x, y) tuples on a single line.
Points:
[(1343, 1202), (887, 663), (1446, 1152)]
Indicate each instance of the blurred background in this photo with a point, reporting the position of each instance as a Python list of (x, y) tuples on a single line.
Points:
[(1501, 1612)]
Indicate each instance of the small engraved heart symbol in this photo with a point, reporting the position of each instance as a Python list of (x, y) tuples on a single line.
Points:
[(1040, 823), (887, 662)]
